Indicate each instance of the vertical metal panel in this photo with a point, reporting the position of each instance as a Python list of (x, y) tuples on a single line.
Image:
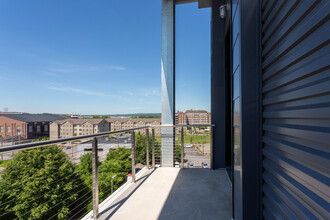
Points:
[(95, 179), (147, 148), (296, 109), (133, 157), (251, 120), (220, 90), (168, 81)]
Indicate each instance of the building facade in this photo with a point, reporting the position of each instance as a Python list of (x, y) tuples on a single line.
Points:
[(27, 126), (77, 127), (269, 101), (192, 117), (117, 124)]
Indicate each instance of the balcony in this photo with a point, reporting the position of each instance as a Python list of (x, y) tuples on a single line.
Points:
[(172, 193), (151, 191)]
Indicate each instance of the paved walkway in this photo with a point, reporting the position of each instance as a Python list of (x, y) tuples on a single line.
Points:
[(173, 193)]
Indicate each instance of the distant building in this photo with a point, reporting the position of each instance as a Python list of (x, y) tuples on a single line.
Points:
[(191, 117), (117, 124), (77, 127), (28, 126)]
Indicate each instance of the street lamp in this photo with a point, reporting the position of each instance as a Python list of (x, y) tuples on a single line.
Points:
[(112, 183)]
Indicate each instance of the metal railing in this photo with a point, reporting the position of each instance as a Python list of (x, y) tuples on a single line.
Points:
[(155, 152)]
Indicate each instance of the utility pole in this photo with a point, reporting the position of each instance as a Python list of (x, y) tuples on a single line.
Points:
[(12, 133), (1, 146), (203, 149)]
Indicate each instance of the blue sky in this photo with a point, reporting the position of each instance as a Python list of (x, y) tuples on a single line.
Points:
[(98, 57)]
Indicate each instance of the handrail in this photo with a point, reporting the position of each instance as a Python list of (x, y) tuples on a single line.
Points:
[(95, 179), (32, 145)]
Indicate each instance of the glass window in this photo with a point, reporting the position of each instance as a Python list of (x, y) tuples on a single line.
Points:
[(8, 129), (38, 128), (1, 129), (237, 83), (30, 129), (45, 127)]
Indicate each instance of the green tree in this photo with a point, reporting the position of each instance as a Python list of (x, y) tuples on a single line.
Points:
[(177, 153), (141, 148), (44, 138), (119, 154), (85, 169), (117, 163), (40, 183)]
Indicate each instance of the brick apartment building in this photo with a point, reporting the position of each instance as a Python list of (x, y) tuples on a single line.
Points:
[(76, 127), (117, 124), (28, 126), (191, 117)]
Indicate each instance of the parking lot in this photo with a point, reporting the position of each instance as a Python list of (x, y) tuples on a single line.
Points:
[(193, 156)]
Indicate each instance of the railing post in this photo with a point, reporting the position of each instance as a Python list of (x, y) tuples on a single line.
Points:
[(12, 134), (95, 180), (147, 150), (211, 147), (133, 156), (182, 148), (153, 147)]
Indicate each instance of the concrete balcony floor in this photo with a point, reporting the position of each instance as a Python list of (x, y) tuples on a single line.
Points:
[(173, 193)]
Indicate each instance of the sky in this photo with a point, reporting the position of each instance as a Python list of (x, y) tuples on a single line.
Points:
[(98, 57)]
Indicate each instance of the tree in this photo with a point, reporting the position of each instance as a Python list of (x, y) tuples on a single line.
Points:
[(141, 148), (117, 163), (178, 153), (119, 154), (85, 169), (41, 183), (44, 138)]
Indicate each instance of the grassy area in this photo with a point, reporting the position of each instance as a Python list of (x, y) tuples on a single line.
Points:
[(188, 139), (76, 141), (3, 162)]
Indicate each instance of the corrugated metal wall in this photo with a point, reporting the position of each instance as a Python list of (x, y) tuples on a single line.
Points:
[(296, 103)]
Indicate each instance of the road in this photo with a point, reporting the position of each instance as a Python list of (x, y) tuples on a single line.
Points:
[(104, 145), (193, 156)]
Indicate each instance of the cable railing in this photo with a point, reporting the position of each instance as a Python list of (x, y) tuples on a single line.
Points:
[(79, 178)]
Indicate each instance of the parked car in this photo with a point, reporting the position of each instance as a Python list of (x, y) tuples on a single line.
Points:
[(191, 165), (188, 145), (204, 165), (177, 164)]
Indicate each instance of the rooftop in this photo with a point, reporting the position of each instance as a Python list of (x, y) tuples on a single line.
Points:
[(34, 117), (80, 121), (133, 119)]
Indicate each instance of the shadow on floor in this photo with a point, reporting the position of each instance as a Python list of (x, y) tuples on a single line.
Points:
[(199, 194)]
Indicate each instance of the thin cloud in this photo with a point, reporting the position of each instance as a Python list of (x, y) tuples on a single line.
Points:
[(117, 68), (72, 69), (49, 73), (69, 89), (76, 90), (154, 92)]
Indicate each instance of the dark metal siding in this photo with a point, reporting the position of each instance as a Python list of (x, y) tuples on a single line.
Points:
[(296, 109)]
